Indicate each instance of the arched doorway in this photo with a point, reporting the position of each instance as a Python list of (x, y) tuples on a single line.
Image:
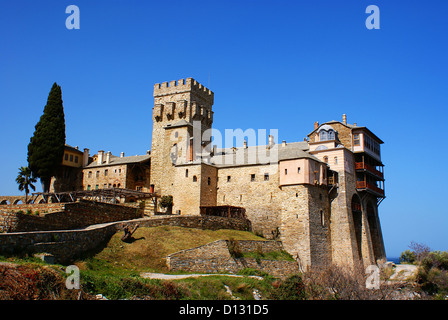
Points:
[(357, 223)]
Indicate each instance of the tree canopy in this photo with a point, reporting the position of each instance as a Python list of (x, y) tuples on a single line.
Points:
[(46, 147)]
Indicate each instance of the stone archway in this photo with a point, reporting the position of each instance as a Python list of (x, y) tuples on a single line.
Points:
[(357, 223), (4, 202)]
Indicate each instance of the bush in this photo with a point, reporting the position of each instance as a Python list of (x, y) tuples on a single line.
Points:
[(166, 201), (292, 288), (408, 256)]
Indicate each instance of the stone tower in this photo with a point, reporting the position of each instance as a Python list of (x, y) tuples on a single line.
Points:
[(182, 110)]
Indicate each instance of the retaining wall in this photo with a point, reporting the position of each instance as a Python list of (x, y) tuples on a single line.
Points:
[(216, 257), (67, 245), (63, 216)]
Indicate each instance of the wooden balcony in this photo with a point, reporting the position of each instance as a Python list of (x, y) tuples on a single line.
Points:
[(369, 168), (369, 187)]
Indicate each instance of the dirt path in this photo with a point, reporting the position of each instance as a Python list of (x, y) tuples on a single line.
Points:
[(162, 276), (404, 271)]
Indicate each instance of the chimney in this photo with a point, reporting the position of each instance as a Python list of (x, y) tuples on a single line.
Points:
[(271, 140), (344, 118), (85, 157), (316, 125), (100, 157), (245, 144), (122, 155), (284, 143), (108, 154)]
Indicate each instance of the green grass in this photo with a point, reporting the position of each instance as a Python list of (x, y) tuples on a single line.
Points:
[(115, 270), (147, 253)]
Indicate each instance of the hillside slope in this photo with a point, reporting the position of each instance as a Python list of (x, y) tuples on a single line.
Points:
[(151, 245)]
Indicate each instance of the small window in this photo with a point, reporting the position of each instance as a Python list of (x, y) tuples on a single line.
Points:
[(71, 158), (356, 141), (322, 218), (266, 177), (104, 186), (106, 172), (298, 170), (176, 134), (97, 174), (89, 175), (195, 179), (118, 185), (209, 181), (76, 159), (286, 172), (326, 159), (119, 170), (66, 156), (186, 173), (88, 187), (335, 160), (229, 178), (97, 187), (252, 177)]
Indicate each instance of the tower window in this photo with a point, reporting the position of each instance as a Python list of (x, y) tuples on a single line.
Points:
[(106, 172), (335, 160), (286, 172), (356, 140), (186, 173), (298, 170), (209, 181), (195, 179), (266, 177), (229, 178), (252, 177)]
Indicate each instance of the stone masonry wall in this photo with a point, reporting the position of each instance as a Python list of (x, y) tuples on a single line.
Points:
[(70, 216), (67, 245), (215, 257)]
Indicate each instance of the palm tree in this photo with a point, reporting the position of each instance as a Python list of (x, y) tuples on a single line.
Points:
[(25, 179)]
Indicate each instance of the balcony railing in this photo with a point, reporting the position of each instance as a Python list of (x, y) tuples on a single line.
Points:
[(368, 186), (368, 167)]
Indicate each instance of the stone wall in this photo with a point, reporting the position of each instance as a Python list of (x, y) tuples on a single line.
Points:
[(216, 257), (68, 216), (67, 245), (64, 245)]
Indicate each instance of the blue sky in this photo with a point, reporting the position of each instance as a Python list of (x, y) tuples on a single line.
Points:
[(271, 64)]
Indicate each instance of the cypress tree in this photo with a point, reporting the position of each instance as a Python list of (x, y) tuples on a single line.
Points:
[(46, 147)]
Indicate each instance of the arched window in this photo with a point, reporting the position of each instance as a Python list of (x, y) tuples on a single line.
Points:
[(195, 178), (323, 135)]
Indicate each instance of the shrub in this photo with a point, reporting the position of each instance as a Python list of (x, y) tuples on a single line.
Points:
[(408, 257)]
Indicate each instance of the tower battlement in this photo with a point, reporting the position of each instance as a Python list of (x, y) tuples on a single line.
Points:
[(183, 85)]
